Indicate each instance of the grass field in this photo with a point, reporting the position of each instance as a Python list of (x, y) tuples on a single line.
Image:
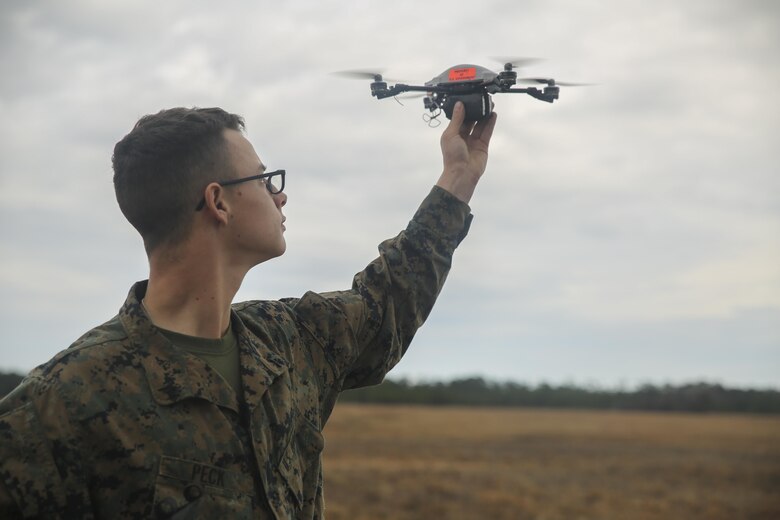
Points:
[(405, 462)]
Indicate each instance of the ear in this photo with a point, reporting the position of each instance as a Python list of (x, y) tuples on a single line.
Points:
[(216, 205)]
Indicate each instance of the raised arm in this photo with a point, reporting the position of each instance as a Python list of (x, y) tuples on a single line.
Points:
[(464, 148), (363, 332)]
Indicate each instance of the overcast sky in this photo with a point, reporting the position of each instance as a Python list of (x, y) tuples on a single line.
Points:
[(628, 233)]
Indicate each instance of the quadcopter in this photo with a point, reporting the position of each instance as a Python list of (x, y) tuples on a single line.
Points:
[(473, 85)]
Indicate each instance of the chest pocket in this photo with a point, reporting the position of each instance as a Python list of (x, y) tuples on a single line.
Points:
[(299, 467), (190, 489)]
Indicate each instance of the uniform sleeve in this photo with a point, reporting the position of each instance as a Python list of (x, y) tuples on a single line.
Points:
[(8, 507), (39, 472), (364, 331)]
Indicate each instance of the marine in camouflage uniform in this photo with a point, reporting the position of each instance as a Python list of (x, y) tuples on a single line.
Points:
[(123, 424)]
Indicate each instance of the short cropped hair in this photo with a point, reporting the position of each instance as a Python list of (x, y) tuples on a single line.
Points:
[(162, 166)]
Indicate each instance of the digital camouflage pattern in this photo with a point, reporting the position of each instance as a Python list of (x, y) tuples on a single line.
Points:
[(124, 425)]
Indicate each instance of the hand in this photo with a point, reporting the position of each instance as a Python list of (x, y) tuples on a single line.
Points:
[(464, 148)]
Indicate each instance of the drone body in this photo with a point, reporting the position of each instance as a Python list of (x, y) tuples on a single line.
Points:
[(466, 83), (473, 85)]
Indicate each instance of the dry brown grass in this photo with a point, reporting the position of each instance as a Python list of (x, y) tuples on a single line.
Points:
[(404, 462)]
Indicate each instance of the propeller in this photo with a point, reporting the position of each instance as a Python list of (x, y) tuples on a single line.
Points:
[(550, 81), (515, 61), (372, 74)]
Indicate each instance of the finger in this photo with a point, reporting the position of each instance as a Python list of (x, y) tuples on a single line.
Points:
[(466, 128), (484, 129)]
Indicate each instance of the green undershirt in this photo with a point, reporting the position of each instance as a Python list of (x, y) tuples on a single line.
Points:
[(221, 354)]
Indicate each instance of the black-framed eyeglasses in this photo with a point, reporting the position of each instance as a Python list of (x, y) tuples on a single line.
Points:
[(274, 182)]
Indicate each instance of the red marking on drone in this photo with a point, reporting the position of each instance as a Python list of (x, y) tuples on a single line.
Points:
[(463, 74)]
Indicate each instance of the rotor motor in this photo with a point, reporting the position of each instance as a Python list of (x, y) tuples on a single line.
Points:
[(552, 91), (378, 86), (507, 77)]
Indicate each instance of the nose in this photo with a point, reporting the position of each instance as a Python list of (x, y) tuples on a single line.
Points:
[(280, 199)]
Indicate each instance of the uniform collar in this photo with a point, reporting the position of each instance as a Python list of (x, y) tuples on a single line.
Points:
[(260, 366), (175, 375)]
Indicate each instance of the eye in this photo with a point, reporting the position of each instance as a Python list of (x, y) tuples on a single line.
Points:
[(275, 182)]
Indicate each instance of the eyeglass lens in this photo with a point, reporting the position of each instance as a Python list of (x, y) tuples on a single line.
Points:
[(275, 184)]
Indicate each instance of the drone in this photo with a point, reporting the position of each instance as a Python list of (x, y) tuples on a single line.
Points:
[(473, 85)]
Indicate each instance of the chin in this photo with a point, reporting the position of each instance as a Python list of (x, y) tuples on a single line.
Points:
[(282, 248), (271, 253)]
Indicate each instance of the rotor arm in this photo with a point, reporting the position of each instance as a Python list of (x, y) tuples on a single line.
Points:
[(381, 91), (549, 94)]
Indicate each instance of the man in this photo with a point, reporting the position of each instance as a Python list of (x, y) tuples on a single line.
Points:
[(185, 406)]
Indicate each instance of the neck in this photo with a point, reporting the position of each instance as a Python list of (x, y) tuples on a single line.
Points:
[(191, 294)]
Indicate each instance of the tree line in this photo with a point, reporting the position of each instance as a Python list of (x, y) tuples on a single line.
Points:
[(477, 391)]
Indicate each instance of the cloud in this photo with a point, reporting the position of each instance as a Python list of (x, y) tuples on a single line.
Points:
[(642, 211)]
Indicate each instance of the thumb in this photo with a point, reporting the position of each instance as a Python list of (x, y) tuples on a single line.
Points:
[(458, 114)]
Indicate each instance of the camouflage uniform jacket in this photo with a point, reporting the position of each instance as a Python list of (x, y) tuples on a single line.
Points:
[(124, 425)]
